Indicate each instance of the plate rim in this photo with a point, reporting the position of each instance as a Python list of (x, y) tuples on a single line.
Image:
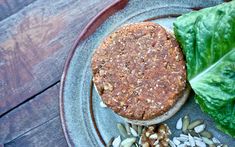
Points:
[(89, 29)]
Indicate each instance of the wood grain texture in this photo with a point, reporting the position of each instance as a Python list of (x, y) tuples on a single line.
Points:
[(9, 7), (34, 43), (49, 134), (31, 115)]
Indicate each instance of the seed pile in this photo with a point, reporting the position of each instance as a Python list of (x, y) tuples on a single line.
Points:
[(194, 134), (140, 136)]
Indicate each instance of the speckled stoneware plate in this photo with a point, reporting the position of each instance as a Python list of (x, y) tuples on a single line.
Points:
[(84, 122)]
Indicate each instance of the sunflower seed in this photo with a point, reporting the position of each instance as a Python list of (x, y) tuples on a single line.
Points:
[(179, 124), (207, 141), (140, 129), (176, 141), (215, 140), (133, 132), (185, 123), (128, 142), (182, 145), (194, 124), (183, 139), (116, 142), (127, 126), (206, 134), (135, 127), (212, 145), (187, 143), (109, 144), (102, 104), (191, 140), (200, 128), (197, 138), (122, 130), (171, 143), (183, 135), (200, 143)]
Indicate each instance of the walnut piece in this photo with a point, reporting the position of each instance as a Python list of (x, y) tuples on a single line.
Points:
[(156, 136)]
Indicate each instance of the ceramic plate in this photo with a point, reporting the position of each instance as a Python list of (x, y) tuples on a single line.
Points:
[(84, 122)]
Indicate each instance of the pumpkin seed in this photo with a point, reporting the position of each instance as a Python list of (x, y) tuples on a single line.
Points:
[(109, 144), (176, 141), (128, 142), (194, 124), (207, 141), (193, 133), (140, 129), (212, 145), (200, 128), (206, 134), (200, 143), (171, 143), (191, 140), (224, 145), (179, 124), (117, 141), (140, 140), (133, 132), (122, 130), (185, 123)]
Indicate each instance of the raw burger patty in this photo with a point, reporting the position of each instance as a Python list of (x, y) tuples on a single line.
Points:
[(139, 71)]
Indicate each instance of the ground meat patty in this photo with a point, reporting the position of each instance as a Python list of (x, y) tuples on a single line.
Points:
[(139, 71)]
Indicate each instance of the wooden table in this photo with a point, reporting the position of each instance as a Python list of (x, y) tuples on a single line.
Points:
[(35, 38)]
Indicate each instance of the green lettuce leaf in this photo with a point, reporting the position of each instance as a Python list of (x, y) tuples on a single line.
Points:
[(207, 38)]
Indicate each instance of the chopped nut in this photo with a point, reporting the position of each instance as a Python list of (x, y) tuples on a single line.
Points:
[(147, 134), (156, 135), (108, 86)]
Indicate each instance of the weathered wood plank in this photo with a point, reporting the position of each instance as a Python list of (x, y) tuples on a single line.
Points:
[(30, 115), (49, 134), (9, 7), (34, 43)]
